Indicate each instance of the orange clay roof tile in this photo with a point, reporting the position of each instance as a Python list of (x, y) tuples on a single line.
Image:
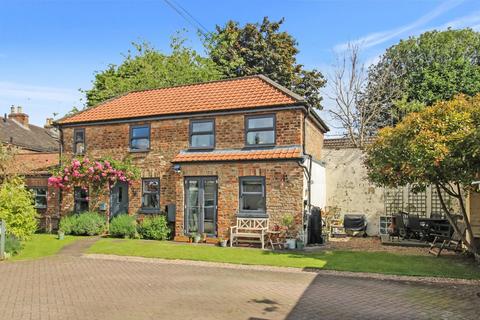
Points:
[(236, 155), (239, 93)]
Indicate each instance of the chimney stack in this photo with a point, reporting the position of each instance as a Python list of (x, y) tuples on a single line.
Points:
[(48, 123), (16, 113)]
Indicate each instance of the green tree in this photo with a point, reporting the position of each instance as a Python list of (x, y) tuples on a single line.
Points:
[(421, 70), (261, 48), (147, 68), (17, 209), (439, 146)]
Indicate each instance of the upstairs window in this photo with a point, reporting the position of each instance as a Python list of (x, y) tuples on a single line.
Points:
[(150, 195), (39, 197), (140, 138), (79, 141), (252, 196), (202, 134), (260, 130), (80, 199)]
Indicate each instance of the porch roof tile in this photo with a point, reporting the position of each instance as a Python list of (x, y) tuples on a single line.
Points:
[(278, 153)]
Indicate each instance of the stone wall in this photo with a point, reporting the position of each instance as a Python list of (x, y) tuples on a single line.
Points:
[(348, 190)]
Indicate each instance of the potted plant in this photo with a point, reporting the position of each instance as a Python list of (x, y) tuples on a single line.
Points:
[(300, 241), (222, 242), (204, 237), (288, 223), (195, 237)]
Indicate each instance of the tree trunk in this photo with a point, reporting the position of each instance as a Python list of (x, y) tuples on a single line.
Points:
[(470, 245)]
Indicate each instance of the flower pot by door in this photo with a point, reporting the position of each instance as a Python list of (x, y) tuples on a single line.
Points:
[(291, 243)]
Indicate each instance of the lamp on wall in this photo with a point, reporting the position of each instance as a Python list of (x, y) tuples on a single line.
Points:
[(177, 168)]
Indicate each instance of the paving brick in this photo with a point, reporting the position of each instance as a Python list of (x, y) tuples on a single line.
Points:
[(73, 287)]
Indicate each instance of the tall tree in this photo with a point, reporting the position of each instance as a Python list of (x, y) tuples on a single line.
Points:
[(261, 48), (350, 109), (147, 68), (419, 71), (439, 146)]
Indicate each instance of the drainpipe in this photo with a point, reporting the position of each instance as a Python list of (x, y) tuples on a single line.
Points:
[(307, 172), (60, 151)]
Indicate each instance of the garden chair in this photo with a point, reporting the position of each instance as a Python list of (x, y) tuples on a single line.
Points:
[(453, 243), (415, 229)]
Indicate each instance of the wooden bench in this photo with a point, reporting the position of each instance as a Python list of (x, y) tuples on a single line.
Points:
[(249, 230)]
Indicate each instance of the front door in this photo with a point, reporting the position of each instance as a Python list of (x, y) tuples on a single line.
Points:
[(119, 199), (201, 205)]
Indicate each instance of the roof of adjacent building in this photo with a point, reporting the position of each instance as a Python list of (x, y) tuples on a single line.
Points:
[(343, 143), (222, 95), (28, 137), (36, 162), (278, 153)]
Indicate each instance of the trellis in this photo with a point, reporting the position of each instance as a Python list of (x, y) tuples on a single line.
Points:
[(424, 203)]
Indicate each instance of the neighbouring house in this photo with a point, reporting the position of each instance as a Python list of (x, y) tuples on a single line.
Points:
[(209, 152), (473, 211), (36, 151), (350, 192)]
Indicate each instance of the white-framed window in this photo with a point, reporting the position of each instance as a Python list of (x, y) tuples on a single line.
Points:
[(39, 197), (151, 195), (252, 196)]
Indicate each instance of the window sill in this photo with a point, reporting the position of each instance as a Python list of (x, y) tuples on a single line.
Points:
[(149, 211), (252, 215), (138, 151), (256, 146), (201, 148)]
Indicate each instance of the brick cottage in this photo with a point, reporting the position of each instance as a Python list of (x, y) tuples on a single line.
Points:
[(35, 153), (209, 152)]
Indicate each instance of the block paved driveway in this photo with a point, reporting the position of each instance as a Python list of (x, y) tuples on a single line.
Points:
[(74, 287)]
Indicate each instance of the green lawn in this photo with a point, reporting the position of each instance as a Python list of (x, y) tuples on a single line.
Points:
[(42, 245), (376, 262)]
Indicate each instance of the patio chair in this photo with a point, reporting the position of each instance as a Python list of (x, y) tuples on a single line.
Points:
[(400, 224), (453, 243)]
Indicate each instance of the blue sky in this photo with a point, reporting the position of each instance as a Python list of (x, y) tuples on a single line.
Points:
[(50, 49)]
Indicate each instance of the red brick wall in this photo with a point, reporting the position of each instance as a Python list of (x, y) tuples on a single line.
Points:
[(169, 137), (313, 140), (48, 218), (283, 181)]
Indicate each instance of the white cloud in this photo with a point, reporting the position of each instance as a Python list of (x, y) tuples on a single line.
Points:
[(12, 90), (377, 38)]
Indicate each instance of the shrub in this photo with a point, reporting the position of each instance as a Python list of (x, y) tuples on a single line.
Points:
[(83, 224), (155, 228), (17, 209), (66, 224), (123, 226), (12, 245)]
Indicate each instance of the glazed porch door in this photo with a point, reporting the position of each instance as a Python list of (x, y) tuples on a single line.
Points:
[(201, 205)]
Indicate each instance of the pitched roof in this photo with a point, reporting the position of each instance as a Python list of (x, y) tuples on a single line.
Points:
[(36, 162), (343, 143), (279, 153), (237, 93), (32, 137)]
